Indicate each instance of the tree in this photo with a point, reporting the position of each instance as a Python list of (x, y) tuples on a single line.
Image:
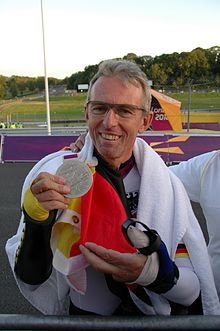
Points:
[(130, 57), (40, 83), (158, 74), (199, 65), (2, 87), (82, 77), (213, 54), (13, 87), (145, 63)]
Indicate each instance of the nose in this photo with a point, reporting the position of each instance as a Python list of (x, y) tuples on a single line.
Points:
[(110, 119)]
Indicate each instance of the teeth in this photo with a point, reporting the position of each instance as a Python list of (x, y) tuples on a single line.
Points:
[(109, 136)]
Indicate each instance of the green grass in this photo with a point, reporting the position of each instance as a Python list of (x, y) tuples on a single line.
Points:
[(61, 108), (198, 100), (71, 108)]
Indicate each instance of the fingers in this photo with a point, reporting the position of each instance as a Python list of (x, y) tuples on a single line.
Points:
[(50, 191), (108, 255), (124, 267), (78, 144), (51, 200), (46, 181), (74, 148), (97, 262)]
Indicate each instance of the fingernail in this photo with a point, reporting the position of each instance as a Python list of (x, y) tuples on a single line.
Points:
[(66, 189)]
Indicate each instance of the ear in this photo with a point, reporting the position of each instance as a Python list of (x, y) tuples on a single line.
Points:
[(146, 122), (86, 113)]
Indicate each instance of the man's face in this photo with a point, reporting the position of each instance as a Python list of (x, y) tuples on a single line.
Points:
[(114, 135)]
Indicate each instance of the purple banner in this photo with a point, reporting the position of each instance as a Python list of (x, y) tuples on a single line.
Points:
[(172, 148), (215, 126), (33, 148), (182, 147), (1, 140)]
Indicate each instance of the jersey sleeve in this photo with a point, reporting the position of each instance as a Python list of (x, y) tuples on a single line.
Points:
[(190, 173)]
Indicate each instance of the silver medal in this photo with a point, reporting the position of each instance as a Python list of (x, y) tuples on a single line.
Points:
[(77, 175)]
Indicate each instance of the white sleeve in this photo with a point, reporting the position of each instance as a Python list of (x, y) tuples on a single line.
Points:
[(187, 289), (190, 173)]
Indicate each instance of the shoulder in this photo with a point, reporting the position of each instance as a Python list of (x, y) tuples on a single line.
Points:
[(196, 164)]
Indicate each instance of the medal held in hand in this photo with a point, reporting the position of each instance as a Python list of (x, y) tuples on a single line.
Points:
[(77, 175)]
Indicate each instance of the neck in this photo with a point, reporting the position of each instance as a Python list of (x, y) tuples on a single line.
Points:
[(114, 165)]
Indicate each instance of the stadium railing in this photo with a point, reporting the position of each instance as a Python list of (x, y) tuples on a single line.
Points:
[(76, 323)]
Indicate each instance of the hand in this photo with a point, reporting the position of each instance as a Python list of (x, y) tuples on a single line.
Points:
[(50, 191), (78, 144), (124, 267)]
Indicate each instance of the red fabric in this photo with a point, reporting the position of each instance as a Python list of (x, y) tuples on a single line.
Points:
[(102, 214)]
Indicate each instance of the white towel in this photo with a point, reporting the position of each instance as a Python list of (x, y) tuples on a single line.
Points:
[(86, 154)]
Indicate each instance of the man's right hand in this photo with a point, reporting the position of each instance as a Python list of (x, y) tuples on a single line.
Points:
[(77, 146), (50, 191)]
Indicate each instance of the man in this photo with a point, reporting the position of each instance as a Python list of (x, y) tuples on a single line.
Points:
[(201, 178), (85, 255)]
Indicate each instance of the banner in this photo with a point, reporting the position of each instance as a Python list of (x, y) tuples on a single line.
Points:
[(167, 115), (171, 148)]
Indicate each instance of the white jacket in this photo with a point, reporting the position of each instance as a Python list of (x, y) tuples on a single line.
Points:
[(201, 178)]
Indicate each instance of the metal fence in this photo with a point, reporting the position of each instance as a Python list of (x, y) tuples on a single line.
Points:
[(76, 323)]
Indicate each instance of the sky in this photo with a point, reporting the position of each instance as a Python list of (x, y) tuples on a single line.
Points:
[(79, 33)]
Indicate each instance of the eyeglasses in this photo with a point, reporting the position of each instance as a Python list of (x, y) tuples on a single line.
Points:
[(100, 108)]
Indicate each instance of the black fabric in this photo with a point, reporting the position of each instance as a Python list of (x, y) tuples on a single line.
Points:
[(194, 309), (153, 236), (114, 177), (127, 306), (73, 310), (33, 263), (122, 310)]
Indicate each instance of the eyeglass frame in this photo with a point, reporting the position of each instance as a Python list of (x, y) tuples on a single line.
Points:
[(114, 106)]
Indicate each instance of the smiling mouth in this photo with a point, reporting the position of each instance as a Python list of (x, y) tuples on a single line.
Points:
[(110, 137)]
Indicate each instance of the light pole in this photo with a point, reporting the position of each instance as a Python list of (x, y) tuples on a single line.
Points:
[(45, 75), (189, 104)]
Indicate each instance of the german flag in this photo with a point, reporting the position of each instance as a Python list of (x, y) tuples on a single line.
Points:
[(181, 252)]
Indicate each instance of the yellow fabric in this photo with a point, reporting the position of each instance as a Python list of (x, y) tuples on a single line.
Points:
[(33, 207), (75, 204), (68, 236), (182, 255), (69, 226), (92, 169)]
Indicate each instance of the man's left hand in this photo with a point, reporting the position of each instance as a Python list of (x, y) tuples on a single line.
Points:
[(124, 267)]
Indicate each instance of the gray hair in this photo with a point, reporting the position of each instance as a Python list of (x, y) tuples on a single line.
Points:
[(127, 71)]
